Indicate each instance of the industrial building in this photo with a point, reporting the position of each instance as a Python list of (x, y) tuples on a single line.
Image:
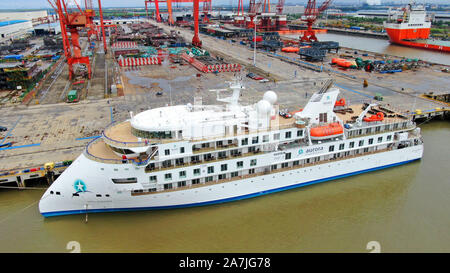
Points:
[(14, 29), (35, 17)]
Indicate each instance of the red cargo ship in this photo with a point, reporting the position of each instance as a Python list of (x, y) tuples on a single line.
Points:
[(411, 27)]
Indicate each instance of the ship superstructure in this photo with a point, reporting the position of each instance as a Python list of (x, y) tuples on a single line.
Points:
[(411, 26), (190, 155)]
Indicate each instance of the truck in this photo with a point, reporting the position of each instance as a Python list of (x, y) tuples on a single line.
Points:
[(72, 96)]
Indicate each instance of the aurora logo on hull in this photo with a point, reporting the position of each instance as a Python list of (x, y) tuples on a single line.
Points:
[(79, 186)]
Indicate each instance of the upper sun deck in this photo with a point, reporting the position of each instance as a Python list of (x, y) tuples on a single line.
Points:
[(351, 113)]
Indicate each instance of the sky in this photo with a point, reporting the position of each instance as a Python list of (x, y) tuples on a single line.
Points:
[(35, 4)]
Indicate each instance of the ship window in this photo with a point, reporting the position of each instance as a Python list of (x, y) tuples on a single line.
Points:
[(168, 186), (296, 163), (370, 141), (273, 167), (287, 156), (166, 163), (182, 174), (244, 141), (196, 171), (255, 140), (223, 167), (167, 152), (300, 133), (98, 195), (341, 146), (361, 143), (195, 181), (389, 137), (276, 136), (222, 176), (58, 193), (234, 174), (253, 162), (152, 178), (251, 149), (251, 171), (380, 139), (168, 176), (266, 138), (182, 150), (366, 150), (284, 165), (181, 184), (210, 169), (331, 148), (377, 129), (124, 180), (240, 164), (209, 179), (75, 194), (288, 134), (352, 144), (323, 117)]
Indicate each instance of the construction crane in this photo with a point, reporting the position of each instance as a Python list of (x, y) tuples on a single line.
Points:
[(280, 7), (207, 10), (310, 17)]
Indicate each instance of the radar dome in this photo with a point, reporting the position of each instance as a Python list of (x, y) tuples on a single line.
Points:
[(264, 107), (270, 96)]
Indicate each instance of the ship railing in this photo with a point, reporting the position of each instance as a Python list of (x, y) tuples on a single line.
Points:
[(382, 125), (99, 159)]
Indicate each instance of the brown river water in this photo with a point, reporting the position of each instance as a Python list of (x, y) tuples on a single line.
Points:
[(404, 209)]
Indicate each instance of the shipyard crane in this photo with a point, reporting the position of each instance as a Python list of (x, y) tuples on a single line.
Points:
[(310, 17), (71, 20), (280, 6), (206, 10)]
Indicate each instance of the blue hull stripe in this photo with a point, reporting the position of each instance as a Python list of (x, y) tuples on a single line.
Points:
[(67, 212)]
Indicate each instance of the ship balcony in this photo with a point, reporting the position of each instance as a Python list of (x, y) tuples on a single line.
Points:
[(99, 150)]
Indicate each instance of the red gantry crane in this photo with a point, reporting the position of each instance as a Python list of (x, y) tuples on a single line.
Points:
[(310, 17), (70, 21)]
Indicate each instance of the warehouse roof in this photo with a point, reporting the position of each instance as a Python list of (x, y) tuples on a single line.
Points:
[(11, 22)]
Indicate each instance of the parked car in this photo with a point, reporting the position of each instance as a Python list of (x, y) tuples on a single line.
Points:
[(3, 129), (254, 76)]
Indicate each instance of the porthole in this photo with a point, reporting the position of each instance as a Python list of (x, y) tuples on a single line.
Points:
[(107, 195), (98, 195), (58, 193), (51, 192)]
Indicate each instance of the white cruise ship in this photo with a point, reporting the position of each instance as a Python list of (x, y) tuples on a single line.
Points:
[(192, 155)]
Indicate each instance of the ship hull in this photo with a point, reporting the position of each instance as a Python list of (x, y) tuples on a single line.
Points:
[(427, 46), (233, 190)]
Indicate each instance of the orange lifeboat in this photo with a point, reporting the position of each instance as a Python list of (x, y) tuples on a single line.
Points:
[(336, 60), (340, 102), (378, 117), (290, 49), (327, 131)]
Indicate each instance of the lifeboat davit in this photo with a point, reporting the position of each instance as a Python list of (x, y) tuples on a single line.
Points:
[(378, 117), (340, 102), (327, 131), (290, 49)]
